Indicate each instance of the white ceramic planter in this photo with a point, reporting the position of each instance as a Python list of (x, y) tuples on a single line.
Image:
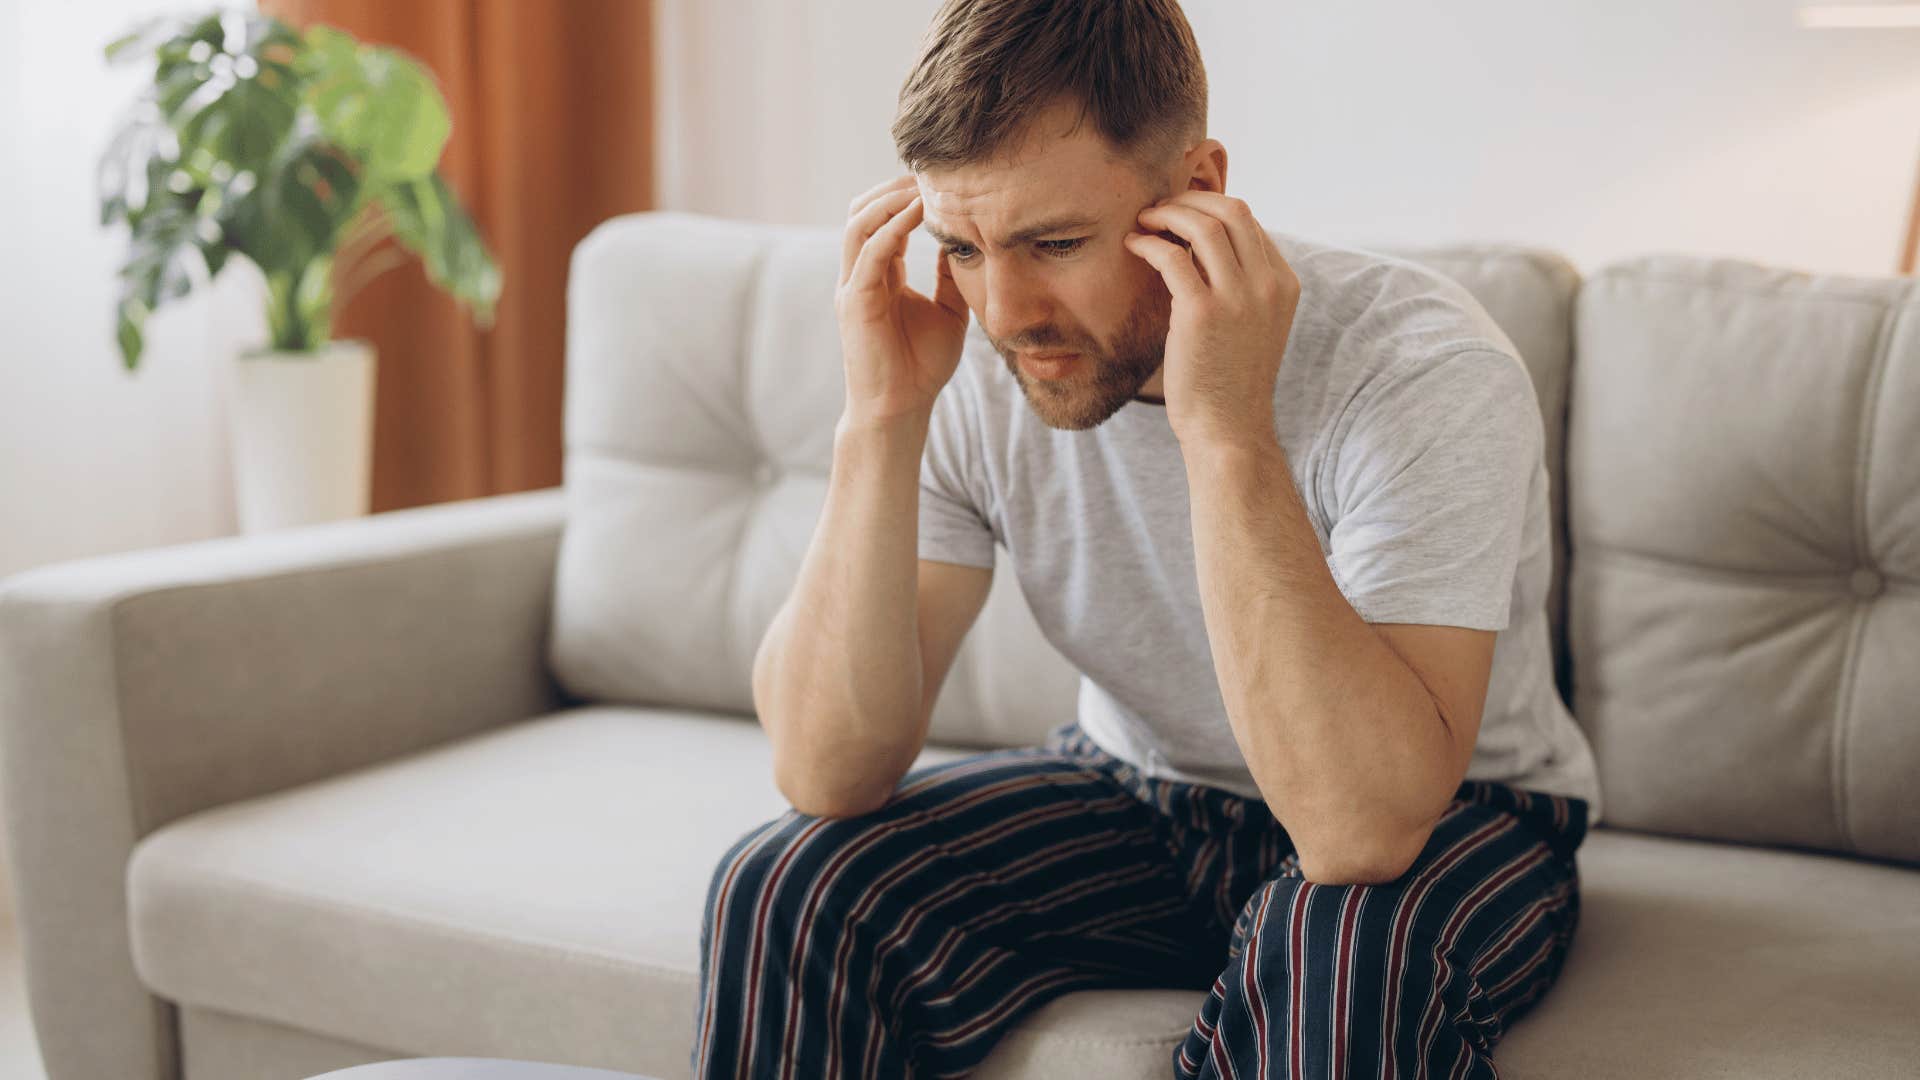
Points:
[(302, 426)]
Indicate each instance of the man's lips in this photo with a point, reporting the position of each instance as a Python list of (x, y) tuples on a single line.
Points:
[(1048, 365)]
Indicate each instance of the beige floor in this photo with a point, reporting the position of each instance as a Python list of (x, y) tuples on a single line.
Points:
[(19, 1057)]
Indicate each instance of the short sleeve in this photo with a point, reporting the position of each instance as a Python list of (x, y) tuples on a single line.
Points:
[(1432, 481), (953, 524)]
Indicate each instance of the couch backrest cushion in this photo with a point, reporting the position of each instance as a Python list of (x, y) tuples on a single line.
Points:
[(703, 382), (1744, 463)]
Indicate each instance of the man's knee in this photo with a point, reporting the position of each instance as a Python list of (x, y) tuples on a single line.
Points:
[(788, 863)]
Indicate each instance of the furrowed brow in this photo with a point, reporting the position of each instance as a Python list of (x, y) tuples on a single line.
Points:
[(1058, 223)]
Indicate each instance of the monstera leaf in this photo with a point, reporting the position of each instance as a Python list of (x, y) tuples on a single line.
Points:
[(300, 152)]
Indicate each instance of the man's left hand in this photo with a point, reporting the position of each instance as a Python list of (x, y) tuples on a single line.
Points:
[(1234, 297)]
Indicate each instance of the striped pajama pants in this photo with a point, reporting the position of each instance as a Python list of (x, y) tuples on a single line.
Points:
[(905, 942)]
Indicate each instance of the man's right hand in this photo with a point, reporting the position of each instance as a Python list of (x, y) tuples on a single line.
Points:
[(899, 347)]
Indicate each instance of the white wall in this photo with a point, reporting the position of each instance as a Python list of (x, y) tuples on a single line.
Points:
[(93, 458), (1600, 130)]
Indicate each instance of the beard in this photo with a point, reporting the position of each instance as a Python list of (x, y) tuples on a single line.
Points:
[(1105, 378)]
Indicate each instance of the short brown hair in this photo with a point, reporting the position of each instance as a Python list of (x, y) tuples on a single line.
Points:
[(987, 67)]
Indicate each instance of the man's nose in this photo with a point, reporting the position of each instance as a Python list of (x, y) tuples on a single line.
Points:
[(1015, 303)]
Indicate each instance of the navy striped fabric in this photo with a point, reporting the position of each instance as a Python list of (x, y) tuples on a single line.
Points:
[(905, 942)]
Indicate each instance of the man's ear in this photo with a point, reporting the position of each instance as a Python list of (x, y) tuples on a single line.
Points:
[(1209, 169)]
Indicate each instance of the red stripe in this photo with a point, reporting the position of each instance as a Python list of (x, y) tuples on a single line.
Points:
[(719, 923), (1000, 876), (1342, 976), (1519, 929), (990, 959), (1018, 997), (1221, 1063), (1463, 913), (873, 892), (1539, 957), (1200, 864), (1297, 942), (1119, 876), (932, 965), (872, 836), (1250, 982), (762, 908), (1123, 875), (1410, 901), (1460, 1062)]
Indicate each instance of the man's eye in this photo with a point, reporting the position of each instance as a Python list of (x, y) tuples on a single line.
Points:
[(1056, 248)]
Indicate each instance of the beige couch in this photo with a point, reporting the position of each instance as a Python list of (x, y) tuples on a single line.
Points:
[(451, 781)]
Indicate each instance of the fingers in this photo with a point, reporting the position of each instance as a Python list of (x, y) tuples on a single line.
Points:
[(861, 200), (1212, 245), (1237, 216), (1174, 262), (946, 291), (888, 243), (862, 226), (1283, 276)]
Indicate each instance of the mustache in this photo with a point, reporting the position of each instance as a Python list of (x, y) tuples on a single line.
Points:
[(1041, 339)]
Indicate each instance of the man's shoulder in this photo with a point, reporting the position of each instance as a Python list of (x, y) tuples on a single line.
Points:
[(1372, 315), (1383, 289)]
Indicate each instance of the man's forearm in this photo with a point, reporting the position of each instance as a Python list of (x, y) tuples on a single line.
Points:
[(837, 682), (1341, 736)]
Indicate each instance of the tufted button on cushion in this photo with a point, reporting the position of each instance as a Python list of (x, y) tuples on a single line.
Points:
[(1865, 583)]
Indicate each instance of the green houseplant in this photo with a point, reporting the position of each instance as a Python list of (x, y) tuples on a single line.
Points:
[(301, 153), (298, 151)]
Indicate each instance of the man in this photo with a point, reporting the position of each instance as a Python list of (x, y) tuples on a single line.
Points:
[(1285, 506)]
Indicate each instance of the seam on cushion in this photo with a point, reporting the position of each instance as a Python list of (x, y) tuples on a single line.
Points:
[(472, 933), (756, 501), (1850, 673), (1834, 582), (756, 285), (1634, 274)]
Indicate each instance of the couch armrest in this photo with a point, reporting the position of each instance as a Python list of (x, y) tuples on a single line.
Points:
[(141, 687)]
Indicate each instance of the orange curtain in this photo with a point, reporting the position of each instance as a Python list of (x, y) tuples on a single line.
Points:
[(552, 134)]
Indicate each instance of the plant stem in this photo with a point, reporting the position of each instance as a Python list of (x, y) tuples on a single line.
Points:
[(276, 321), (362, 233), (363, 273), (286, 330)]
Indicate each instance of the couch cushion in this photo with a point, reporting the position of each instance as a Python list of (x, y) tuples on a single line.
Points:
[(703, 383), (1744, 475), (536, 891)]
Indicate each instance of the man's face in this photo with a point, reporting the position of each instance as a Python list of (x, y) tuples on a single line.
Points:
[(1034, 244)]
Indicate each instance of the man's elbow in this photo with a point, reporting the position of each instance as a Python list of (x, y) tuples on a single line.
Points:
[(830, 808), (829, 801), (1376, 864)]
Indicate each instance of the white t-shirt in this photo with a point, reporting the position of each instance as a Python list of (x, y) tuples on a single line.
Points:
[(1415, 441)]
